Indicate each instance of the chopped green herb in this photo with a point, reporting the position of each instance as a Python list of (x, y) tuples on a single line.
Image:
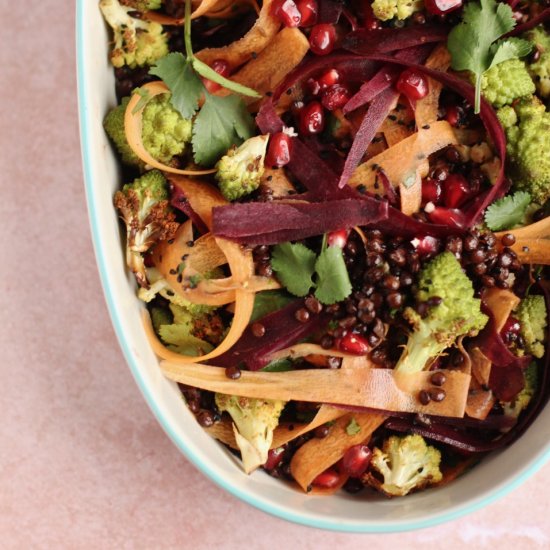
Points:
[(508, 211), (294, 265), (353, 428)]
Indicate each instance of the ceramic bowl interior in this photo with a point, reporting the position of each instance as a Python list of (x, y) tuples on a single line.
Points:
[(494, 477)]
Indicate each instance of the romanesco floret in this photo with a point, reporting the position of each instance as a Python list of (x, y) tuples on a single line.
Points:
[(239, 171), (406, 463), (137, 42), (506, 82), (458, 313), (523, 398), (149, 218), (529, 149), (533, 319), (114, 126), (540, 69), (507, 116), (165, 133), (254, 422), (402, 9)]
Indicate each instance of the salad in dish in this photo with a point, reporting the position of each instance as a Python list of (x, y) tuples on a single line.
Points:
[(336, 213)]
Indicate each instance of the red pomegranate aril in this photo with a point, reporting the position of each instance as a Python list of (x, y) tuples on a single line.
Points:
[(354, 343), (313, 86), (412, 84), (308, 11), (278, 152), (274, 458), (328, 79), (338, 238), (356, 460), (327, 479), (222, 68), (335, 97), (427, 245), (287, 12), (456, 191), (312, 118), (440, 7), (451, 217), (452, 115), (431, 191), (322, 38), (511, 326)]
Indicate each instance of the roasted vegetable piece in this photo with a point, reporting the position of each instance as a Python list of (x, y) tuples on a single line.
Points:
[(145, 209), (255, 420), (454, 312), (523, 398), (406, 464), (506, 82), (540, 68), (114, 126), (401, 9), (533, 319)]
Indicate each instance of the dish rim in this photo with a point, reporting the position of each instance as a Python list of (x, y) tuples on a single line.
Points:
[(117, 319)]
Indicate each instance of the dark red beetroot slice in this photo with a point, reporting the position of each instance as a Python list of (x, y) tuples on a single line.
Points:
[(282, 329), (179, 200), (280, 222), (329, 11), (367, 42), (543, 16)]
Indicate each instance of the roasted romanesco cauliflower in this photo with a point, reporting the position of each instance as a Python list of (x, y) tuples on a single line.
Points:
[(540, 68), (406, 464), (458, 313), (527, 126), (114, 126), (524, 397), (506, 82), (402, 9), (137, 42), (254, 422), (239, 171), (533, 319)]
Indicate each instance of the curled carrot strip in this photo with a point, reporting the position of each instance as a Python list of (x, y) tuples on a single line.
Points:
[(217, 9), (133, 125)]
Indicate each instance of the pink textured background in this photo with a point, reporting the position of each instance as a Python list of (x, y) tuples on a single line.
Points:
[(83, 464)]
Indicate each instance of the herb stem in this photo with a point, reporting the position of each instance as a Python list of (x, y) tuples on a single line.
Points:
[(187, 30)]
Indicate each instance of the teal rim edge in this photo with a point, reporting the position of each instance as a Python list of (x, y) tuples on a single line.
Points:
[(264, 505)]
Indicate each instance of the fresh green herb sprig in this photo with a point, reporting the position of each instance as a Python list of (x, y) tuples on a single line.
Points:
[(296, 265), (222, 121), (474, 44), (507, 212)]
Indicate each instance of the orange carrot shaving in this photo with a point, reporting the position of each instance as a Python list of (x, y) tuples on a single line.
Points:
[(411, 197), (362, 387), (277, 182), (317, 455), (480, 402), (133, 125), (532, 242), (252, 43), (501, 303)]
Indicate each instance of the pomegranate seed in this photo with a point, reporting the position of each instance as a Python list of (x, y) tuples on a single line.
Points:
[(356, 460), (308, 11), (328, 79), (335, 97), (431, 191), (278, 152), (447, 216), (426, 246), (338, 238), (440, 7), (322, 38), (511, 326), (412, 84), (274, 458), (327, 479), (287, 12), (453, 116), (354, 343), (312, 118), (456, 191), (222, 68)]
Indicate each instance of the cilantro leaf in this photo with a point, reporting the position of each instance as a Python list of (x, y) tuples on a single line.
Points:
[(470, 42), (278, 365), (511, 48), (507, 212), (186, 87), (221, 123), (353, 428), (268, 301), (333, 284), (294, 265)]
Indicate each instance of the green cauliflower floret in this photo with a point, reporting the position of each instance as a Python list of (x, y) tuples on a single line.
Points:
[(540, 69), (114, 126), (137, 42), (533, 318), (402, 9), (142, 5), (254, 422), (239, 172), (165, 133), (507, 116), (458, 314), (523, 398), (506, 82), (149, 218), (529, 148), (406, 463)]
